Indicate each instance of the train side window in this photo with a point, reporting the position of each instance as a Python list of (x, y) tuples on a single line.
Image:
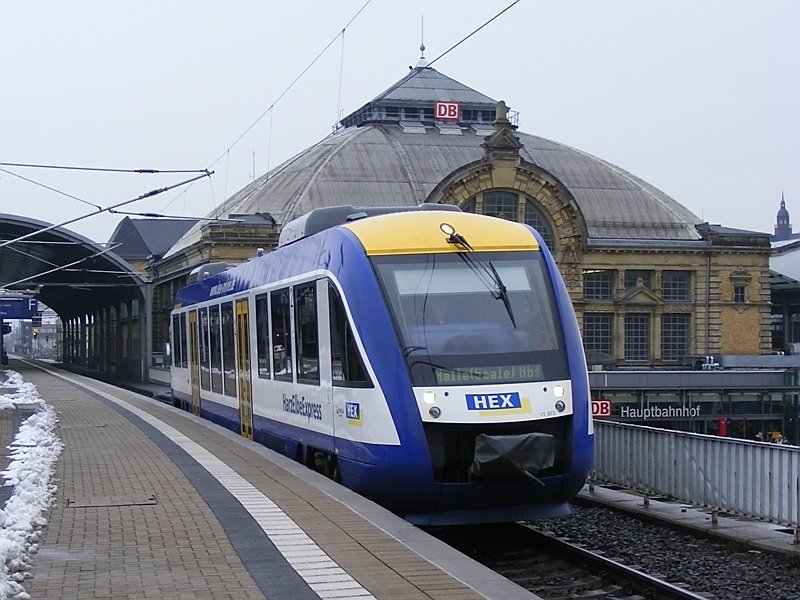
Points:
[(262, 336), (184, 347), (307, 332), (216, 350), (177, 350), (281, 333), (228, 350), (205, 362), (347, 365)]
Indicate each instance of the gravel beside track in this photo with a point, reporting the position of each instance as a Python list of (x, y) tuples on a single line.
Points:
[(719, 569)]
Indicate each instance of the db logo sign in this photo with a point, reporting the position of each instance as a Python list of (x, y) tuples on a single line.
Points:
[(447, 111), (601, 408)]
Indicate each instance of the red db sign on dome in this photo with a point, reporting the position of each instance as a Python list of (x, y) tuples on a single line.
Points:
[(447, 111)]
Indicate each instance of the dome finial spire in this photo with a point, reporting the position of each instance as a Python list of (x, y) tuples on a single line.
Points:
[(422, 63), (422, 36)]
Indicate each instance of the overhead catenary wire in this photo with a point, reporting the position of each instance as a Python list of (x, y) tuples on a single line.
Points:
[(269, 140), (465, 38), (339, 97), (149, 194), (413, 74), (153, 215), (292, 84), (86, 284), (47, 187), (101, 271), (60, 268), (271, 107), (416, 72), (33, 256), (101, 169), (46, 242), (207, 171)]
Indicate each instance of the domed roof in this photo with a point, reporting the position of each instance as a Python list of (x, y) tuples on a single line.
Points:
[(392, 152)]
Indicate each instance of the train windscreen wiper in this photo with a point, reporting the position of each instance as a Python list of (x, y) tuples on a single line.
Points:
[(502, 294), (496, 287)]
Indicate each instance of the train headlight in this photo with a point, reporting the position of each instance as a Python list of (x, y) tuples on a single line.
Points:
[(560, 406), (558, 391), (429, 397), (435, 412)]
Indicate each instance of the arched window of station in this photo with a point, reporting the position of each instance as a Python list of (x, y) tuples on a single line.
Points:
[(514, 207), (134, 328), (112, 339), (90, 346), (102, 338), (124, 329)]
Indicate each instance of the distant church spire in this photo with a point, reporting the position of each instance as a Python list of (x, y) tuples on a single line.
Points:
[(783, 226)]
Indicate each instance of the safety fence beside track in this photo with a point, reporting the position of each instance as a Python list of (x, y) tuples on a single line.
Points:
[(750, 478)]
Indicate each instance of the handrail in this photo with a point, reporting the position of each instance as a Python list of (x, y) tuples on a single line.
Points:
[(750, 478)]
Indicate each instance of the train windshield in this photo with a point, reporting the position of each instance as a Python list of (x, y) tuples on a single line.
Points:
[(474, 318)]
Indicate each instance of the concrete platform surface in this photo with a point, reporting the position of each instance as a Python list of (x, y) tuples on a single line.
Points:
[(153, 502)]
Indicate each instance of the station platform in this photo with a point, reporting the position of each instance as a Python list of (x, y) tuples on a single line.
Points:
[(153, 502), (727, 527)]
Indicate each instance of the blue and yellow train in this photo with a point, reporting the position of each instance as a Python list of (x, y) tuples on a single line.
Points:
[(428, 359)]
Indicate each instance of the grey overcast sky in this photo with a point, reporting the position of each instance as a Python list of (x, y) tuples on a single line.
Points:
[(699, 98)]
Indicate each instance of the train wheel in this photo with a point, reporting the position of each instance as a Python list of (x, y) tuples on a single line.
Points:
[(332, 469), (325, 463)]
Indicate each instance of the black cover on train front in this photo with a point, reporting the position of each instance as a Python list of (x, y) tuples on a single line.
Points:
[(513, 456)]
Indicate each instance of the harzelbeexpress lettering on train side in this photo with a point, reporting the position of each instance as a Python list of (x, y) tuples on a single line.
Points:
[(297, 405), (222, 288)]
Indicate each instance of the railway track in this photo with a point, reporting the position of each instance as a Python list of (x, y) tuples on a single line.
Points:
[(556, 569)]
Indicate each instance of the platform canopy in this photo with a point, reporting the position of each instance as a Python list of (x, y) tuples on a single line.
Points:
[(62, 269)]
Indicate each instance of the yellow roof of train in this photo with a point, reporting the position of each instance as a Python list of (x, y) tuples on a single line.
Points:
[(419, 232)]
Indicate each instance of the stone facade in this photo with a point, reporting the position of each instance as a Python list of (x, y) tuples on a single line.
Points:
[(726, 305)]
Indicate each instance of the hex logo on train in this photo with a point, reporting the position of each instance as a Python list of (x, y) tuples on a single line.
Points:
[(499, 401), (353, 413)]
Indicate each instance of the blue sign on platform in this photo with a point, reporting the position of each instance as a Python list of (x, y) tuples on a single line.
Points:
[(18, 308)]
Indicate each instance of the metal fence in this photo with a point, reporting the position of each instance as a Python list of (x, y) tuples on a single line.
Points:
[(755, 479)]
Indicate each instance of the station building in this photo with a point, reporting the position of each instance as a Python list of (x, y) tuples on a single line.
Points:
[(654, 288), (651, 284)]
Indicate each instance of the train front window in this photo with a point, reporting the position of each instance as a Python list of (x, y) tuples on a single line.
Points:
[(474, 318)]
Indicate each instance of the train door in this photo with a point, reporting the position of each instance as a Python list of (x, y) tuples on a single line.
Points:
[(243, 368), (325, 379), (194, 363), (325, 459), (347, 371), (342, 404)]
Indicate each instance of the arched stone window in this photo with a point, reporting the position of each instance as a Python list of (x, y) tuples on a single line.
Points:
[(536, 219), (501, 204), (469, 205), (507, 205)]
